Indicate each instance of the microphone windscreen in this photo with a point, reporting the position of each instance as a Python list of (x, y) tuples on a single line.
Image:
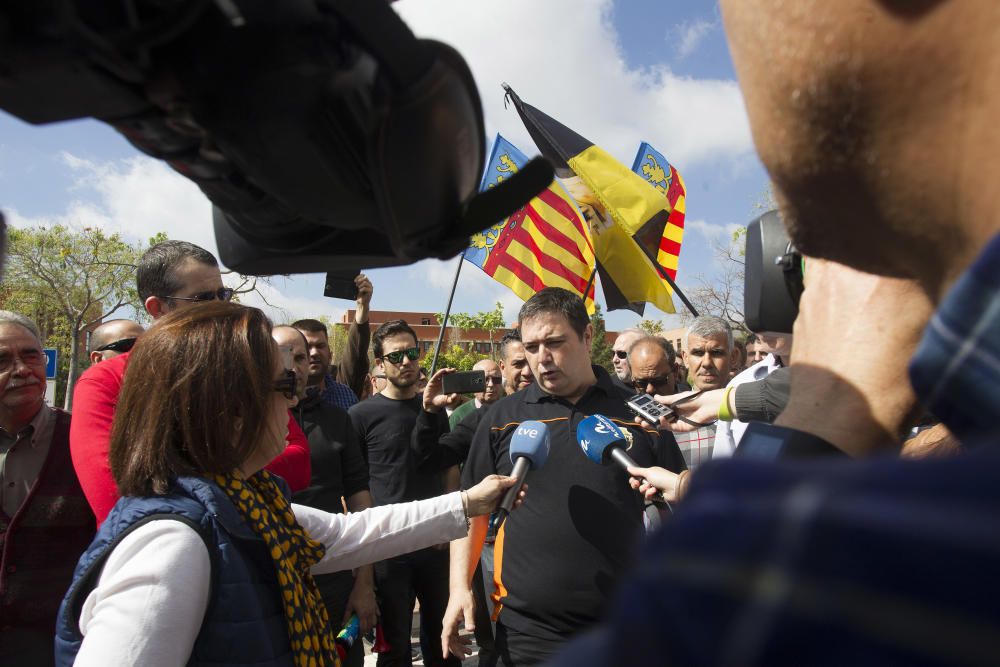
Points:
[(595, 434), (531, 441)]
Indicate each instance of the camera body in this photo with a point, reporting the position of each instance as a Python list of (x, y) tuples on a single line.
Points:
[(324, 132), (773, 277)]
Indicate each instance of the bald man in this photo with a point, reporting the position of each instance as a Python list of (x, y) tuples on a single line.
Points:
[(112, 338), (492, 392)]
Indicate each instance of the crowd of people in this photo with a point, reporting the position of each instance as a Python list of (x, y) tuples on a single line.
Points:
[(223, 493)]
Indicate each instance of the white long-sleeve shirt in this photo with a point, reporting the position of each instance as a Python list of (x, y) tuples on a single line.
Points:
[(151, 597)]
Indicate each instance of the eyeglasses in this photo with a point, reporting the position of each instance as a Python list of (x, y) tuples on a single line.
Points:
[(621, 354), (396, 358), (27, 357), (495, 379), (285, 385), (658, 381), (222, 294), (120, 345)]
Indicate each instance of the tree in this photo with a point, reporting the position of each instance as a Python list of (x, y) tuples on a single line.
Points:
[(455, 357), (67, 281), (490, 321), (651, 327), (722, 295), (600, 349)]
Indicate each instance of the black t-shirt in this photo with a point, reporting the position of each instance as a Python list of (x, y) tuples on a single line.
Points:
[(385, 427), (438, 451), (558, 557), (338, 466)]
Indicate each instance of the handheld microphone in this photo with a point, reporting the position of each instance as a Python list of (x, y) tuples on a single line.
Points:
[(603, 442), (529, 448)]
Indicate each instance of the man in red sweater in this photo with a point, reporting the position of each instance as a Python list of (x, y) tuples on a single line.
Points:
[(172, 274)]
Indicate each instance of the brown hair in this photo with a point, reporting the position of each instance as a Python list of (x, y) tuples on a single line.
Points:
[(195, 396)]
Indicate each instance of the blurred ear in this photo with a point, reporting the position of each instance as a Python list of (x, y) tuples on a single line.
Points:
[(95, 357), (155, 306)]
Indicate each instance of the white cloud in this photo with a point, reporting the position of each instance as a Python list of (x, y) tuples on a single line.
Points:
[(276, 302), (712, 232), (564, 57), (689, 35)]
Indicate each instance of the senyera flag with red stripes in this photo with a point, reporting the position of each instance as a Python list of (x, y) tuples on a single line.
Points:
[(544, 244)]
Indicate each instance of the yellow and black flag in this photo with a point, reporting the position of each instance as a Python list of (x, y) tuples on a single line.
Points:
[(627, 215)]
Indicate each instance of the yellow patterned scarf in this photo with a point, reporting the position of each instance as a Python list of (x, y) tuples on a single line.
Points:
[(266, 510)]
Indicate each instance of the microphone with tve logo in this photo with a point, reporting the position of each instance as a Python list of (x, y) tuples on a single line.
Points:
[(529, 447)]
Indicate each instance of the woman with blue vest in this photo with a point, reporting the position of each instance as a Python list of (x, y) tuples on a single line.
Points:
[(204, 560)]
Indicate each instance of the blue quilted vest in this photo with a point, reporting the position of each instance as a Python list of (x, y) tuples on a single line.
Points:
[(244, 623)]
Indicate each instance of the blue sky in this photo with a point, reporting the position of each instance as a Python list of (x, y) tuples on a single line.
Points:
[(617, 72)]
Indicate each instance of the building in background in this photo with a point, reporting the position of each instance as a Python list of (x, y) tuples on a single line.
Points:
[(427, 328)]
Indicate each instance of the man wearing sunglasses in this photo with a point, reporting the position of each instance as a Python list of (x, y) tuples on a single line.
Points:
[(619, 355), (113, 338), (491, 392), (170, 275), (385, 424)]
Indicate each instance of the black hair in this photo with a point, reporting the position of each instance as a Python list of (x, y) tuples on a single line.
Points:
[(512, 336), (556, 300), (388, 330), (155, 273), (312, 326)]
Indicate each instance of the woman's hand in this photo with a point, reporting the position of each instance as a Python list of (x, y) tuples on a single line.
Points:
[(655, 480), (485, 497)]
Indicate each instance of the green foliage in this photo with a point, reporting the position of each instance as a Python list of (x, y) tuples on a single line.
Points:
[(338, 338), (68, 280), (652, 327), (600, 349), (454, 357), (490, 321)]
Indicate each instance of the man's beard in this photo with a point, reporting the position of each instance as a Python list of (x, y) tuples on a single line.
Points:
[(403, 383)]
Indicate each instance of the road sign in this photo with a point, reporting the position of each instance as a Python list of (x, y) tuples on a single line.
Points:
[(50, 393), (50, 362)]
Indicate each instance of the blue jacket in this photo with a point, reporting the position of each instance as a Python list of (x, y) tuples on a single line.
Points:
[(244, 623)]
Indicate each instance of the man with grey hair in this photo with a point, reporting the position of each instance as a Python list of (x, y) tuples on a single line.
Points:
[(112, 338), (45, 521), (620, 349), (709, 354)]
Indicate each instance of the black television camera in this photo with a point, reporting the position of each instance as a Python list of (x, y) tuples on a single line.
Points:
[(326, 135), (773, 277)]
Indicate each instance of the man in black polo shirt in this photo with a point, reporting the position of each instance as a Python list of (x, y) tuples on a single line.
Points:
[(438, 452), (558, 558), (385, 423)]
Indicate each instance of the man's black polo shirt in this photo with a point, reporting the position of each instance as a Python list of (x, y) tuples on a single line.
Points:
[(558, 557)]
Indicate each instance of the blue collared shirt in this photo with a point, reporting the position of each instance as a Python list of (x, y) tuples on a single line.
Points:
[(337, 393), (880, 561)]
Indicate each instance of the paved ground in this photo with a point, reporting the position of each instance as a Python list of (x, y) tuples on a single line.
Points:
[(471, 661)]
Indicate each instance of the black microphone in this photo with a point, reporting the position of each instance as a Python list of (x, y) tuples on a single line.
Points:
[(529, 448)]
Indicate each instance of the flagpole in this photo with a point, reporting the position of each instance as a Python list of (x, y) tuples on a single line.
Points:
[(447, 312), (666, 276), (590, 283)]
